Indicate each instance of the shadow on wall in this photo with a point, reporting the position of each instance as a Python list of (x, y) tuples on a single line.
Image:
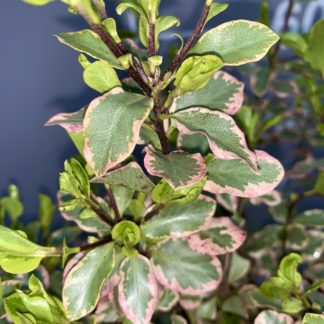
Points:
[(39, 78)]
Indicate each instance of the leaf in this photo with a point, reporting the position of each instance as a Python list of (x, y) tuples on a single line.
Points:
[(112, 125), (236, 178), (82, 286), (319, 186), (178, 169), (288, 269), (130, 176), (162, 24), (18, 254), (179, 220), (228, 202), (215, 9), (239, 268), (88, 42), (237, 42), (225, 139), (294, 41), (310, 318), (314, 54), (273, 317), (223, 92), (138, 290), (46, 212), (149, 137), (101, 77), (181, 269), (208, 309), (178, 319), (38, 2), (168, 299), (292, 305), (219, 236), (315, 286), (194, 143), (123, 197), (71, 122)]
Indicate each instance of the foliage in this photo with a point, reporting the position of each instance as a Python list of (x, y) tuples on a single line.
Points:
[(164, 234)]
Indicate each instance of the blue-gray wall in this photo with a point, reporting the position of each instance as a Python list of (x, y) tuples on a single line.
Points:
[(40, 77)]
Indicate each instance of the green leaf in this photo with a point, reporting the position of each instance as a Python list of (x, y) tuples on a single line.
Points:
[(38, 2), (292, 305), (215, 9), (177, 319), (194, 143), (167, 301), (237, 42), (219, 236), (149, 137), (276, 287), (239, 268), (315, 286), (223, 92), (179, 220), (184, 270), (294, 41), (208, 310), (126, 233), (310, 318), (101, 77), (163, 193), (314, 54), (178, 169), (18, 254), (138, 290), (273, 317), (11, 204), (112, 126), (123, 197), (234, 177), (88, 42), (319, 186), (46, 212), (195, 72), (288, 269), (130, 176), (83, 284), (226, 140), (162, 24)]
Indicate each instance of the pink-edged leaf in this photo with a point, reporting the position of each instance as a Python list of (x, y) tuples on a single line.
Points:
[(228, 202), (167, 300), (219, 236), (225, 139), (179, 220), (71, 122), (138, 290), (112, 126), (236, 178), (178, 168), (223, 92), (180, 268), (271, 199), (271, 316)]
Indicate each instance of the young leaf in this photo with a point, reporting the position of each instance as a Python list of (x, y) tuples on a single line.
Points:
[(130, 176), (288, 269), (219, 236), (310, 318), (226, 140), (46, 212), (236, 178), (237, 42), (223, 92), (138, 290), (270, 316), (294, 41), (181, 269), (178, 169), (179, 220), (38, 2), (112, 125), (88, 42), (101, 77), (314, 54), (215, 9), (83, 284)]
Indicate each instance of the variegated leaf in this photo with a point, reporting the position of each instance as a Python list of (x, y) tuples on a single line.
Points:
[(179, 220), (178, 168), (184, 270), (226, 140), (111, 126), (82, 286), (130, 176), (219, 236), (228, 202), (273, 317), (88, 42), (237, 42), (313, 217), (71, 122), (223, 92), (138, 290), (236, 178), (310, 318), (168, 299)]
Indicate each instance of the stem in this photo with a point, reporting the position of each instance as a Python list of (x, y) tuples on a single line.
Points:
[(191, 41), (224, 289), (113, 204), (151, 40), (152, 213), (100, 213), (92, 246), (274, 57), (101, 9)]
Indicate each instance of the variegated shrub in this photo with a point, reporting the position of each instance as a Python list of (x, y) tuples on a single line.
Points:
[(167, 162)]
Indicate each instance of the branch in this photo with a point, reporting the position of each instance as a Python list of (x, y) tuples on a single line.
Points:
[(113, 204), (92, 246), (151, 40), (101, 214), (100, 5), (191, 41)]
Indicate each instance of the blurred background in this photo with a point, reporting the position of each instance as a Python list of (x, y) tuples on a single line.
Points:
[(40, 77)]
